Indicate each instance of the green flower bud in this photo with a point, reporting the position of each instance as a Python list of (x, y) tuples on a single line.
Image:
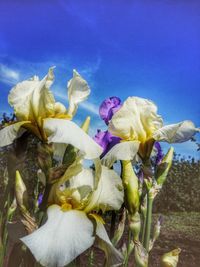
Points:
[(21, 192), (171, 258), (130, 181), (164, 167), (156, 232)]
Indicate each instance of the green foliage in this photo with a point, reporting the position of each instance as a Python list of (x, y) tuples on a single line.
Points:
[(181, 191)]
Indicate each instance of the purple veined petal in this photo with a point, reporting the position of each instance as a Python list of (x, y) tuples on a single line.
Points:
[(109, 107), (106, 140), (160, 154)]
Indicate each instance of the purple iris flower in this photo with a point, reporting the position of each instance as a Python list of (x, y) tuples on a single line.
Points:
[(106, 140), (108, 108), (160, 154)]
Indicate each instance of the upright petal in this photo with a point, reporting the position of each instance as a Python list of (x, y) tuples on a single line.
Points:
[(78, 91), (137, 119), (43, 102), (176, 133), (62, 238), (121, 151), (11, 132), (109, 107), (32, 98), (67, 132), (109, 193), (113, 257), (20, 98)]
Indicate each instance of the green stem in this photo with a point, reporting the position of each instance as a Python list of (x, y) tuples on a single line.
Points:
[(143, 227), (148, 221)]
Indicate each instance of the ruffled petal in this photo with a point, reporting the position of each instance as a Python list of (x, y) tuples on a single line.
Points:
[(62, 238), (43, 102), (32, 98), (137, 119), (109, 107), (109, 194), (67, 132), (176, 133), (121, 151), (78, 91), (11, 132), (113, 257)]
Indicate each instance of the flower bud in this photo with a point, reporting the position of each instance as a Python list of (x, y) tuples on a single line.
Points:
[(164, 167), (171, 258), (130, 181), (21, 192), (156, 232), (86, 124), (141, 255)]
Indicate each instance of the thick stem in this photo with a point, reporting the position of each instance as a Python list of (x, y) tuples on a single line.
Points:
[(148, 221), (143, 227)]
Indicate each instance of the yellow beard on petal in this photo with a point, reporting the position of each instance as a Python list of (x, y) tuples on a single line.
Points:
[(66, 207)]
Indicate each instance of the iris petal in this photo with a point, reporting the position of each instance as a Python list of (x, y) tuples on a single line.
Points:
[(62, 238)]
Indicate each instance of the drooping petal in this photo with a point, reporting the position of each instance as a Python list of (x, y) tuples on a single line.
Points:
[(62, 238), (113, 257), (176, 133), (109, 107), (137, 119), (32, 98), (78, 91), (11, 132), (106, 140), (109, 194), (67, 132), (121, 151)]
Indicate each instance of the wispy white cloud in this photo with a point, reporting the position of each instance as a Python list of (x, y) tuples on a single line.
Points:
[(87, 105), (90, 69), (94, 109), (8, 75)]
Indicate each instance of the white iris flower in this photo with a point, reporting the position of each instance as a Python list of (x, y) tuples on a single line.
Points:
[(137, 123), (73, 224), (36, 110)]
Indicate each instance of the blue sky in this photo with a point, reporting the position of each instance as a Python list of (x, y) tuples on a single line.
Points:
[(141, 48)]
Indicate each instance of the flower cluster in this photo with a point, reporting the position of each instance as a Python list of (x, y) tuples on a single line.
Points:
[(74, 197)]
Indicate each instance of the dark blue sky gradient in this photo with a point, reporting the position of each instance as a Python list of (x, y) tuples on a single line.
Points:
[(145, 48)]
